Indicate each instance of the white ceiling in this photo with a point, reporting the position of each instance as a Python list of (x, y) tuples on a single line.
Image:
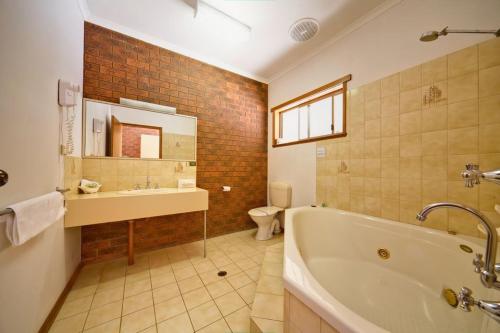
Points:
[(267, 54)]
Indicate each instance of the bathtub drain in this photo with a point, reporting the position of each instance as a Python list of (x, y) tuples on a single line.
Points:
[(384, 253)]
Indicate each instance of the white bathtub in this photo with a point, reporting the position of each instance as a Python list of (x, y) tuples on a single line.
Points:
[(332, 266)]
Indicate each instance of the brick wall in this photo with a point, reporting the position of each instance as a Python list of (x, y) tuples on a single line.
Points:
[(131, 139), (232, 135)]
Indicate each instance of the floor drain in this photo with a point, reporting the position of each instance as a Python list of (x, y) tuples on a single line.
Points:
[(222, 273)]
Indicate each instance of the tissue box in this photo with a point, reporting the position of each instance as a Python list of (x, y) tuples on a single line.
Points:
[(186, 183)]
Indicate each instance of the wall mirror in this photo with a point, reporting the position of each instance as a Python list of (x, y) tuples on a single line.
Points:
[(119, 131)]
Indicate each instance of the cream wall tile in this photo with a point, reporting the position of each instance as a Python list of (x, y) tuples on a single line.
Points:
[(410, 167), (488, 110), (434, 143), (463, 114), (372, 206), (390, 146), (411, 78), (410, 189), (390, 188), (489, 53), (356, 114), (489, 161), (462, 223), (357, 186), (372, 187), (434, 119), (372, 91), (458, 193), (372, 167), (356, 96), (434, 167), (435, 70), (390, 85), (463, 141), (389, 105), (489, 81), (410, 100), (489, 138), (357, 203), (357, 167), (489, 196), (410, 145), (372, 129), (390, 209), (463, 62), (91, 167), (407, 211), (390, 167), (463, 87), (372, 148), (410, 123), (434, 190), (357, 149), (326, 328), (372, 109), (389, 126), (357, 132)]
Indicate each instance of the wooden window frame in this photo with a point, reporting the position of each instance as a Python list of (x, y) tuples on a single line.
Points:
[(277, 115)]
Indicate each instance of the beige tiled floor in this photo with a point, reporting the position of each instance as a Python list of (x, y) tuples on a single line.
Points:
[(171, 290)]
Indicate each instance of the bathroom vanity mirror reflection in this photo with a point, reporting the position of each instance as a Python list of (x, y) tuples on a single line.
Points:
[(119, 131)]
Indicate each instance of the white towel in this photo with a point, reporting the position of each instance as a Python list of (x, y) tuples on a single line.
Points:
[(33, 216)]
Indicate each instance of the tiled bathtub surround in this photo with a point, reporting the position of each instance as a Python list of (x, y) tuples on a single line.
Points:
[(402, 153), (170, 290), (299, 318)]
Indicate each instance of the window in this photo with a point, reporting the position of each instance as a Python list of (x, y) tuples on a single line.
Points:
[(316, 115)]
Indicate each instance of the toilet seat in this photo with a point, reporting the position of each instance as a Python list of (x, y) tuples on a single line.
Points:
[(264, 211)]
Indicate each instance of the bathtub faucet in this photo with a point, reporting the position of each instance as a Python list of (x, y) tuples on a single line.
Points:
[(488, 268), (466, 302), (472, 175)]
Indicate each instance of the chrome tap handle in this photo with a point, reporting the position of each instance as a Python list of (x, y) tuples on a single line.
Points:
[(478, 262), (465, 300)]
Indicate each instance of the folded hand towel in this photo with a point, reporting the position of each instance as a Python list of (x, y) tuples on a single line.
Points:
[(33, 216)]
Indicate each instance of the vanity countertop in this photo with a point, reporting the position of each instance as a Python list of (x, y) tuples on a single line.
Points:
[(115, 206)]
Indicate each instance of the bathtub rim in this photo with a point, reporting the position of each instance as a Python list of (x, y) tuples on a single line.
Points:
[(301, 283)]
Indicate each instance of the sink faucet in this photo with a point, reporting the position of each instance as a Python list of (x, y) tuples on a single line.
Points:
[(466, 302), (472, 175), (486, 269)]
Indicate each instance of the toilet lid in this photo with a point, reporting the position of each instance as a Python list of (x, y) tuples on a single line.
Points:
[(264, 211)]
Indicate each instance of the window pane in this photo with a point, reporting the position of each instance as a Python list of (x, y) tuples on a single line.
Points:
[(303, 122), (320, 117), (338, 113), (290, 126)]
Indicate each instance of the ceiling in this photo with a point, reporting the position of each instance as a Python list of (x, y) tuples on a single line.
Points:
[(266, 54)]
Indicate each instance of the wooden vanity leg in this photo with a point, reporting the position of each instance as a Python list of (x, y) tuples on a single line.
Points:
[(204, 233), (131, 242)]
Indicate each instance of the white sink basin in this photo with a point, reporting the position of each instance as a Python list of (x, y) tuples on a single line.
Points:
[(149, 191)]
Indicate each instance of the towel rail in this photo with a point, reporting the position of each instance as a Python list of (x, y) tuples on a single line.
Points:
[(7, 211)]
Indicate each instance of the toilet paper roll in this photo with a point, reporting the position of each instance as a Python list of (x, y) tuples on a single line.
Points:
[(226, 188)]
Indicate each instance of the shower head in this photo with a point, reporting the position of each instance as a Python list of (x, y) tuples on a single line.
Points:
[(430, 36)]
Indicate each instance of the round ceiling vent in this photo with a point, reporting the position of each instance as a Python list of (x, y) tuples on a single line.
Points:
[(304, 29)]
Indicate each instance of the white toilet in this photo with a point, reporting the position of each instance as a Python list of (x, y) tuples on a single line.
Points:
[(280, 195)]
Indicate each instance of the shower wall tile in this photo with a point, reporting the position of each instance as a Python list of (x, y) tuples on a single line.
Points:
[(412, 152)]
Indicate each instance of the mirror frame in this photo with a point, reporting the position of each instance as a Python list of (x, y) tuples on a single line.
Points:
[(84, 131)]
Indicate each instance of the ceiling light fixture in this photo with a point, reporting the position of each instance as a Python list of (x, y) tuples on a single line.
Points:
[(216, 18)]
